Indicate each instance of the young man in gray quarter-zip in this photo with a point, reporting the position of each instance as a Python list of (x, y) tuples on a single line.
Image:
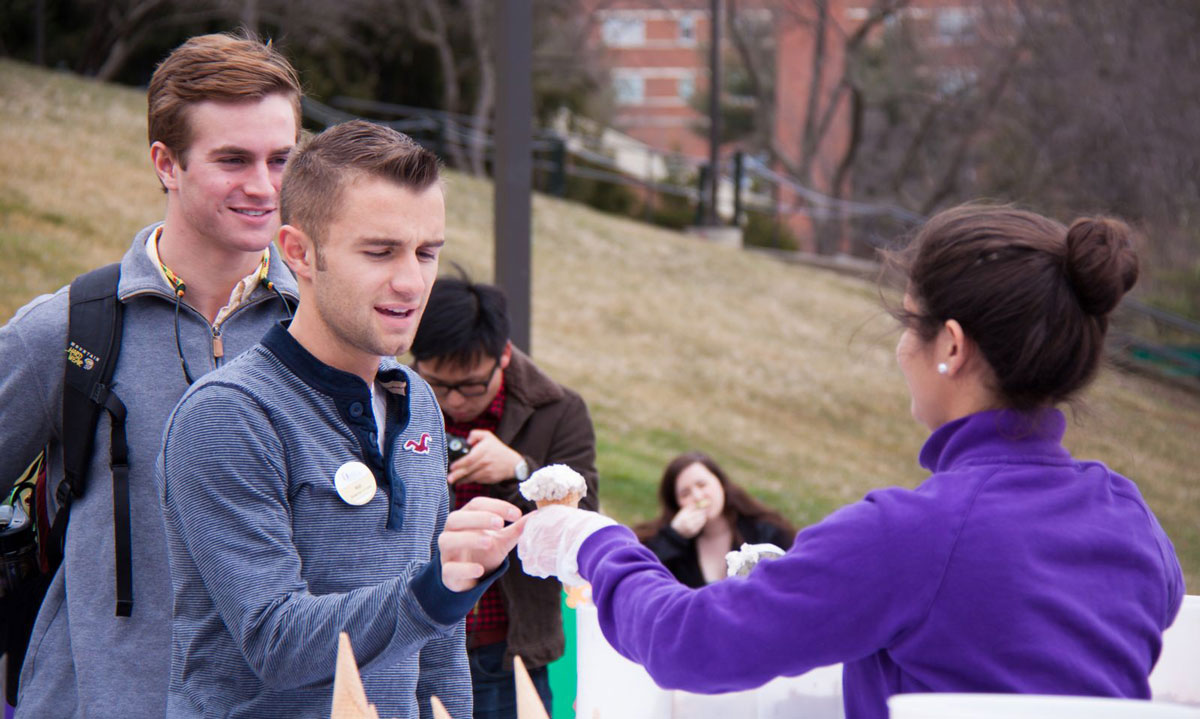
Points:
[(196, 289)]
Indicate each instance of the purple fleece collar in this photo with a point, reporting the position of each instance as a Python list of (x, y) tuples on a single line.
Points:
[(996, 434)]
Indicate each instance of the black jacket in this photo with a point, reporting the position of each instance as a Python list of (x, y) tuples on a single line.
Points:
[(679, 555), (548, 424)]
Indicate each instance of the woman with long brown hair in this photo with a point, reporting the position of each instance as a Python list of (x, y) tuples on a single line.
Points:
[(703, 516)]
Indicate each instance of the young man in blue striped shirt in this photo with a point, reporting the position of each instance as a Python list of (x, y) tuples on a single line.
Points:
[(304, 484)]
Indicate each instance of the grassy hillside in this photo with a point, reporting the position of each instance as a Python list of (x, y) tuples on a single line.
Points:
[(784, 373)]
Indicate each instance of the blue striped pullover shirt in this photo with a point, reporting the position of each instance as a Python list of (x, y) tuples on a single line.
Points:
[(269, 564)]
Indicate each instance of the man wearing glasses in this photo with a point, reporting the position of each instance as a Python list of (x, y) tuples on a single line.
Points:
[(513, 419)]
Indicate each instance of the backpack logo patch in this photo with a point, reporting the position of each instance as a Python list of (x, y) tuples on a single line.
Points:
[(80, 357), (419, 446)]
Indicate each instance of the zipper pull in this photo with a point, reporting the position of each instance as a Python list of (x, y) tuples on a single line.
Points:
[(218, 347)]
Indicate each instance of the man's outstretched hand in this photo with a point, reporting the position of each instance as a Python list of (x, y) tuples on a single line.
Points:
[(475, 540)]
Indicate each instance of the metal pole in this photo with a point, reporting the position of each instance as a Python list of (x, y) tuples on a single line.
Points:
[(442, 133), (513, 173), (39, 33), (648, 201), (739, 174), (558, 176), (714, 109)]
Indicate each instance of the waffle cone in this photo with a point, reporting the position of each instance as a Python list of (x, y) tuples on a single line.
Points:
[(571, 500)]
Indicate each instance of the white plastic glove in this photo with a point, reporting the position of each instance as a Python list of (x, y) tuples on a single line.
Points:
[(551, 540)]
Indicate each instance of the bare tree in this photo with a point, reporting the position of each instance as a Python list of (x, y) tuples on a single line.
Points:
[(1063, 106), (751, 33), (429, 24), (361, 47), (121, 28), (835, 98), (460, 33), (826, 93), (485, 96), (1104, 115), (117, 30)]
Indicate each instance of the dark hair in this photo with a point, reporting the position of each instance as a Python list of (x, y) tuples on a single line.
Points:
[(318, 172), (738, 503), (1033, 294), (463, 323), (222, 67)]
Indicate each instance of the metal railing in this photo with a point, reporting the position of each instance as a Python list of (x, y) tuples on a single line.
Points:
[(1143, 337)]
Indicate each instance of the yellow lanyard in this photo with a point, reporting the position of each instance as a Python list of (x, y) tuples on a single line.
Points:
[(179, 287)]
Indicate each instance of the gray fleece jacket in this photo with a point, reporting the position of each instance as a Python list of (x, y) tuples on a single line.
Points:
[(82, 659)]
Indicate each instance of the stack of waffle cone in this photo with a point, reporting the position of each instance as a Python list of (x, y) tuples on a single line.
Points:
[(349, 699), (529, 703)]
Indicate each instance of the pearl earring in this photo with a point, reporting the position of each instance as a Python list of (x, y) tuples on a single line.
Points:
[(943, 368)]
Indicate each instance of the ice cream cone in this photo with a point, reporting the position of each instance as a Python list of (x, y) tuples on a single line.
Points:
[(554, 484), (571, 500)]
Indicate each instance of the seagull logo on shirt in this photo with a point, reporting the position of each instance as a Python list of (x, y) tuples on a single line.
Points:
[(420, 446)]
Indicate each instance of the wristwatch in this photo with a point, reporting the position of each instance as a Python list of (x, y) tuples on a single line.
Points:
[(521, 471)]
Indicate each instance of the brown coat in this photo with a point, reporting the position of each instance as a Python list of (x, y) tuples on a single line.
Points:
[(548, 424)]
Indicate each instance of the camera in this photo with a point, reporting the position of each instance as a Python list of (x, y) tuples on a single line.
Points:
[(456, 448)]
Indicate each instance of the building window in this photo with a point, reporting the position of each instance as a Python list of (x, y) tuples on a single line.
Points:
[(953, 81), (687, 87), (687, 29), (953, 24), (629, 88), (621, 31)]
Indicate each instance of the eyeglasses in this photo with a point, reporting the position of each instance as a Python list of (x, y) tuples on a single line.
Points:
[(474, 388)]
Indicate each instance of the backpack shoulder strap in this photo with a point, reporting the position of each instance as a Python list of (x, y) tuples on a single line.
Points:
[(93, 344)]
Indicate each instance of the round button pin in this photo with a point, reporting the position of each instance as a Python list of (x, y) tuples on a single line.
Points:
[(354, 483)]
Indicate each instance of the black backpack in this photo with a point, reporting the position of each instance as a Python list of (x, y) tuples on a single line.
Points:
[(93, 343)]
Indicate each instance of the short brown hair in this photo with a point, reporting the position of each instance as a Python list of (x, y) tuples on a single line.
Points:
[(1033, 294), (222, 67), (318, 172)]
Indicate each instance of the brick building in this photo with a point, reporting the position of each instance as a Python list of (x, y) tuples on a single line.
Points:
[(656, 59), (656, 54)]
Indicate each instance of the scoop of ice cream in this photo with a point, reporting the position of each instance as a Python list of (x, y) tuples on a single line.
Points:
[(552, 483), (739, 562)]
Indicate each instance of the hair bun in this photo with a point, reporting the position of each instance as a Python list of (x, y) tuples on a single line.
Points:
[(1101, 262)]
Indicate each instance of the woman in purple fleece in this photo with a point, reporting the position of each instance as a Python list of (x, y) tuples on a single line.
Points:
[(1013, 568)]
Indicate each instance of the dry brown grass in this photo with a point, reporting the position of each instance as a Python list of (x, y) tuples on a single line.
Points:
[(784, 373), (76, 178)]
